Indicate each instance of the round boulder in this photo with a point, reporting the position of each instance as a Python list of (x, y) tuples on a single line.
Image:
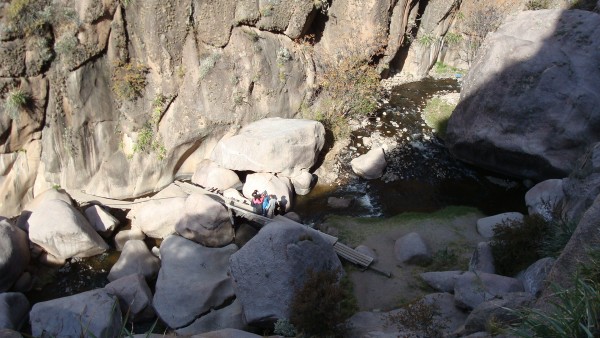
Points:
[(135, 259), (210, 175), (205, 221), (302, 182), (14, 254), (101, 220), (14, 307), (370, 165), (541, 199), (272, 145), (63, 231), (157, 218), (486, 225), (412, 249), (269, 269)]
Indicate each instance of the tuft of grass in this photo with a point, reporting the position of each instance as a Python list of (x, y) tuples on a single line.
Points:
[(534, 5), (437, 113), (419, 317), (16, 100), (129, 80)]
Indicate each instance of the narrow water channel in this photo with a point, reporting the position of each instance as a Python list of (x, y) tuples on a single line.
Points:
[(421, 175)]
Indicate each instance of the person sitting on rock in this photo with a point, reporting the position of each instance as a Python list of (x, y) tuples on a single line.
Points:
[(272, 206), (257, 203)]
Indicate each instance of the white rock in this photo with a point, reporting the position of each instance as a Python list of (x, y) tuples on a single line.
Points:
[(273, 185), (102, 221), (135, 259), (370, 165)]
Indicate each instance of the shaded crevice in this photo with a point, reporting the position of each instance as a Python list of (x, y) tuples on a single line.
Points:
[(400, 58), (317, 25), (186, 155)]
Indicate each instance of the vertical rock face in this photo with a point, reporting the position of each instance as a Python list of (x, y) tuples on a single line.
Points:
[(529, 105)]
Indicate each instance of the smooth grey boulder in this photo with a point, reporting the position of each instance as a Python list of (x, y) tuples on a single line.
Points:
[(135, 297), (534, 276), (496, 312), (205, 221), (302, 182), (339, 202), (486, 225), (542, 197), (14, 254), (50, 194), (472, 289), (272, 266), (135, 259), (412, 249), (442, 281), (63, 231), (370, 165), (482, 259), (192, 280), (157, 218), (273, 145), (210, 175), (446, 311), (124, 236), (101, 220), (528, 108), (93, 312), (14, 307), (229, 317), (279, 186)]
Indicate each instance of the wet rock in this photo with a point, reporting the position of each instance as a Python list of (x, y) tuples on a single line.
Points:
[(482, 259), (521, 83), (268, 270), (157, 218), (14, 307), (273, 185), (101, 220), (135, 259), (14, 254), (541, 199), (126, 235), (192, 280), (135, 297), (486, 225), (442, 281), (472, 289), (496, 312), (229, 317), (534, 276), (210, 175), (88, 313), (370, 165), (63, 231), (339, 202), (205, 221), (412, 249), (272, 145)]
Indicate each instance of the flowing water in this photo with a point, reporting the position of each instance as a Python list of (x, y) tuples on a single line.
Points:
[(421, 175)]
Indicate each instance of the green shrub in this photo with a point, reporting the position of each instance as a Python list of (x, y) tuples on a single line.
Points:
[(426, 39), (322, 304), (437, 113), (283, 327), (534, 5), (28, 16), (516, 245), (453, 39), (16, 100), (129, 80), (420, 318)]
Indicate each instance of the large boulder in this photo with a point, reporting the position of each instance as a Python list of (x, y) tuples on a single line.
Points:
[(205, 221), (63, 231), (281, 187), (542, 198), (192, 280), (442, 281), (157, 218), (370, 165), (482, 259), (101, 220), (272, 145), (14, 254), (412, 249), (210, 175), (272, 266), (135, 297), (50, 194), (14, 307), (486, 225), (528, 108), (534, 276), (230, 317), (496, 311), (472, 289), (93, 312), (135, 259)]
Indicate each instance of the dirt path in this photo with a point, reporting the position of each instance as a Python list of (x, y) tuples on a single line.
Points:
[(451, 235)]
